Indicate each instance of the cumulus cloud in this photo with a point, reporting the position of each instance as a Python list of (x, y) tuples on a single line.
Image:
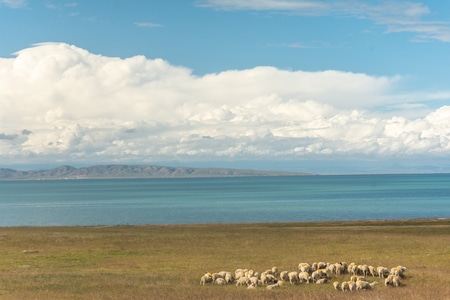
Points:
[(61, 102), (395, 16)]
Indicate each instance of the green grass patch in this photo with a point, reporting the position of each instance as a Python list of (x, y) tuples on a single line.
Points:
[(167, 261)]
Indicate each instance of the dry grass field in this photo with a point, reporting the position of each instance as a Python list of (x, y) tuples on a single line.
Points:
[(167, 261)]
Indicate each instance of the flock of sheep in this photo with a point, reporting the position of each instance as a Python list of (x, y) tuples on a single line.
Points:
[(316, 273)]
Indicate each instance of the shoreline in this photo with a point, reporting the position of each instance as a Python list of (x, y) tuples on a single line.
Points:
[(372, 222)]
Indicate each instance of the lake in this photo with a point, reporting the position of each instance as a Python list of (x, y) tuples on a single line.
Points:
[(223, 200)]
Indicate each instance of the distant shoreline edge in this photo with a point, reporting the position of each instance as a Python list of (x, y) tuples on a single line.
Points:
[(134, 171)]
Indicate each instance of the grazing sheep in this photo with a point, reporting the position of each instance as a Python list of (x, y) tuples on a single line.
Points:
[(388, 280), (229, 277), (239, 273), (322, 281), (243, 281), (284, 275), (222, 274), (382, 272), (274, 271), (336, 285), (293, 277), (392, 280), (399, 271), (251, 286), (267, 278), (364, 285), (271, 279), (372, 271), (351, 285), (321, 265), (315, 276), (254, 280), (304, 277), (249, 273), (364, 269), (357, 278), (350, 268), (220, 281), (344, 286), (304, 267), (215, 276), (275, 286), (396, 281), (344, 267), (338, 268), (207, 278), (332, 268)]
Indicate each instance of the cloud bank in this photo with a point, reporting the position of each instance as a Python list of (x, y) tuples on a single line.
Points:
[(394, 16), (62, 103)]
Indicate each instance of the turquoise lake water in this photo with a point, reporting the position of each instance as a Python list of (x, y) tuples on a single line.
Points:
[(224, 200)]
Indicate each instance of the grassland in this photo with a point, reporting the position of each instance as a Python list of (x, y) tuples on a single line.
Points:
[(167, 261)]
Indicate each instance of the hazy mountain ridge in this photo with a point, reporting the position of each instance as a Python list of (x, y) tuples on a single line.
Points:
[(133, 171)]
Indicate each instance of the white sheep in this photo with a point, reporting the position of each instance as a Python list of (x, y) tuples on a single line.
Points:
[(396, 281), (293, 277), (357, 278), (243, 281), (321, 273), (304, 277), (315, 276), (351, 268), (268, 278), (215, 276), (364, 269), (249, 273), (322, 281), (220, 281), (382, 272), (321, 265), (344, 267), (372, 271), (338, 268), (344, 286), (239, 273), (336, 285), (399, 271), (351, 285), (222, 274), (284, 275), (274, 271), (304, 267), (207, 278), (229, 278), (254, 280), (392, 280), (364, 285), (332, 268), (275, 286)]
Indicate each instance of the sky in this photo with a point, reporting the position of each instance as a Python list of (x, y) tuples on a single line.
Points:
[(329, 87)]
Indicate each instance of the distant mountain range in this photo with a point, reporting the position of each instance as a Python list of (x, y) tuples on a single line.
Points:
[(132, 171)]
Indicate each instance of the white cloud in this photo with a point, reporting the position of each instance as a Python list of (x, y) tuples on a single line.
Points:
[(14, 3), (147, 24), (396, 16), (60, 102)]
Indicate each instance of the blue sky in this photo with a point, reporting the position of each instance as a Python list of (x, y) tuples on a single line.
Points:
[(326, 86)]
